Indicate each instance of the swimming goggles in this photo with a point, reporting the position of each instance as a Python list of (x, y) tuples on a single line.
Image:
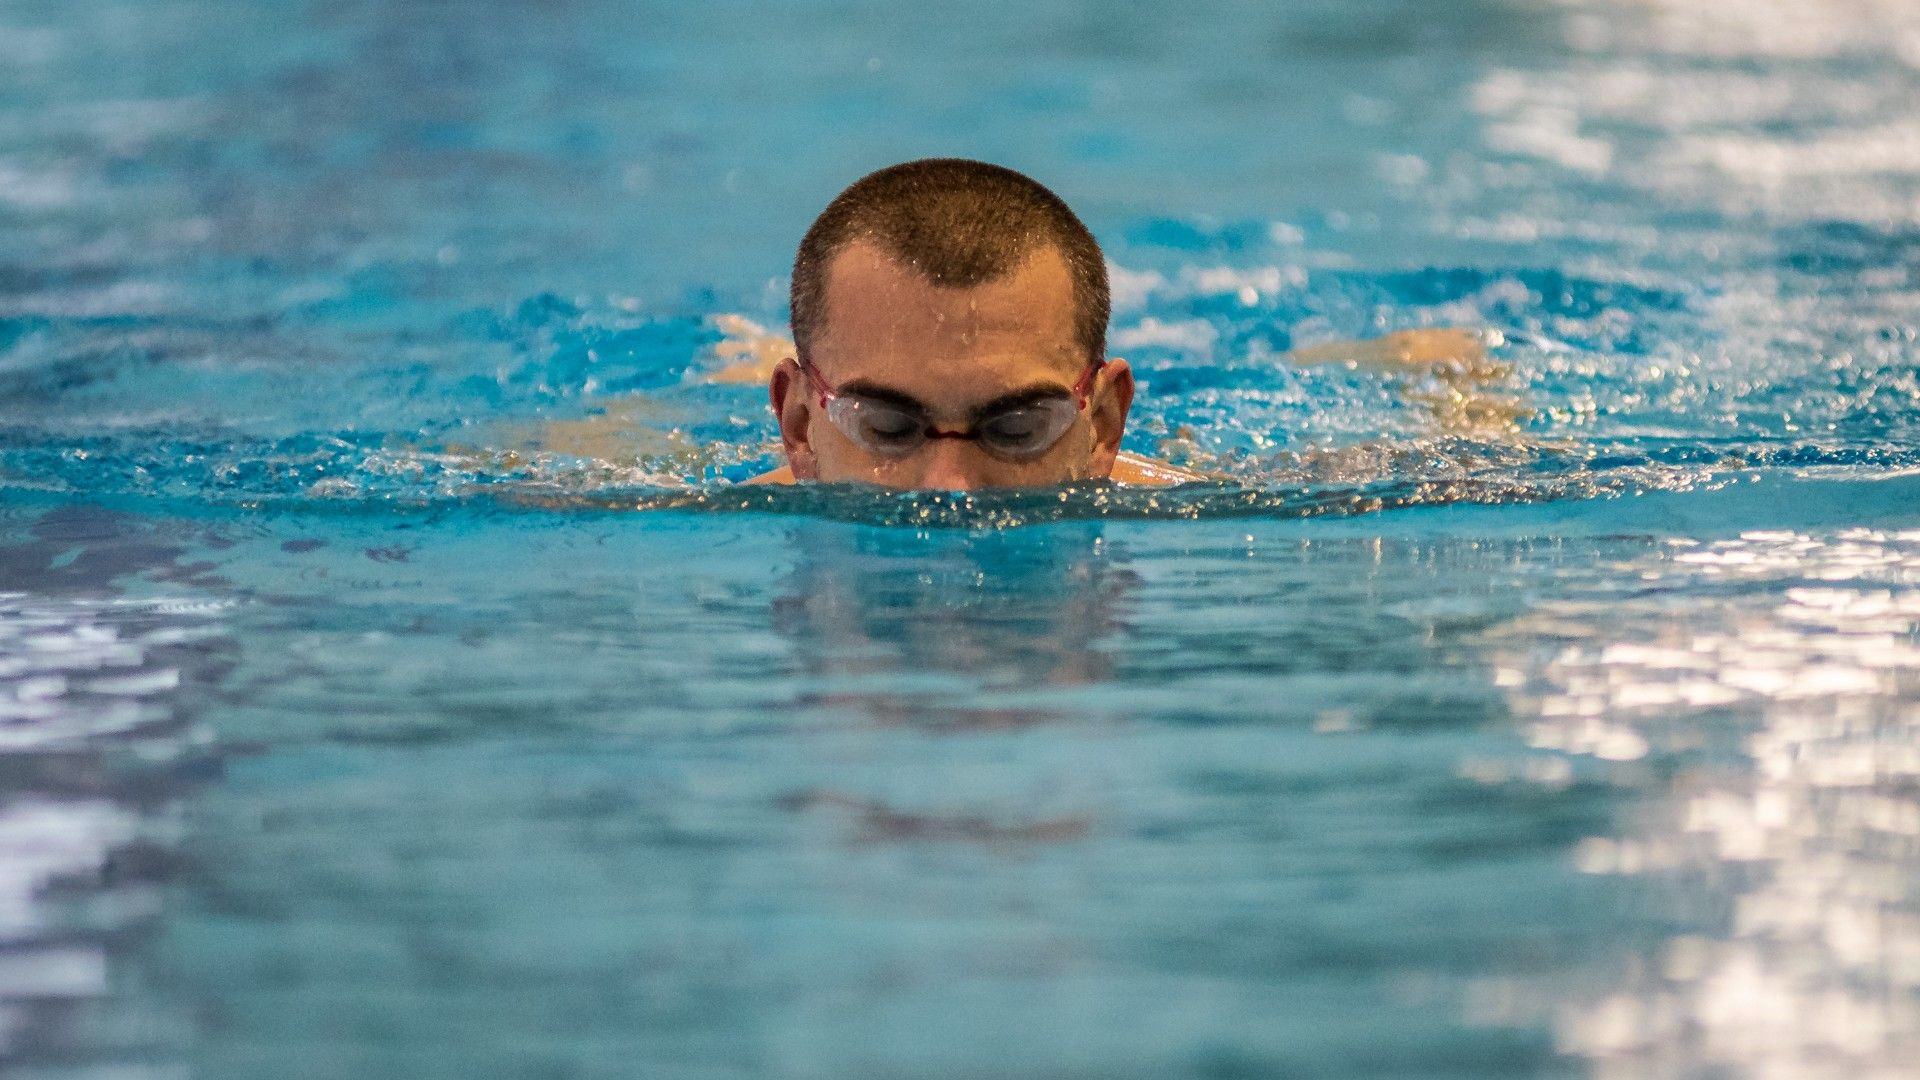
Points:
[(1020, 432)]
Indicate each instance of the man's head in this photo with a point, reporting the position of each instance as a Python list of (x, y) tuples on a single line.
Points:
[(950, 318)]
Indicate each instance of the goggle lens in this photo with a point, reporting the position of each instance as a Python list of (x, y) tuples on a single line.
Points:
[(876, 426), (1028, 431), (1020, 433)]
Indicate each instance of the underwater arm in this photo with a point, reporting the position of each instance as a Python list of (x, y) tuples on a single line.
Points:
[(1450, 369), (1435, 350), (752, 351)]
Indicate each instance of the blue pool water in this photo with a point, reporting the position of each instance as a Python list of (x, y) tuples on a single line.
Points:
[(353, 724)]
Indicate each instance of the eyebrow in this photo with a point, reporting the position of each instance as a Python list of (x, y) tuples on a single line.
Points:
[(880, 393), (1012, 399)]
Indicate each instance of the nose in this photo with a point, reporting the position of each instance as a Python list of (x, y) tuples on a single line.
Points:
[(951, 465)]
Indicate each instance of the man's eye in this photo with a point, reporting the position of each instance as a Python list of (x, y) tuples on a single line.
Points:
[(890, 425), (1016, 427)]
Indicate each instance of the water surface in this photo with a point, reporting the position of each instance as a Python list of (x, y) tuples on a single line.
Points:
[(352, 724)]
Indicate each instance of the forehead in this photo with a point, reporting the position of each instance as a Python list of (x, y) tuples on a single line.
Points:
[(886, 322)]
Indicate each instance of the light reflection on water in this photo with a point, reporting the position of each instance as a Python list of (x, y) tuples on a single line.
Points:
[(96, 760), (1778, 671)]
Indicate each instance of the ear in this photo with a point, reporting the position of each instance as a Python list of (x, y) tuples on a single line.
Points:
[(790, 395), (1107, 411)]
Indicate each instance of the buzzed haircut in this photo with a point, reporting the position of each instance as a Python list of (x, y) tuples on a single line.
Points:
[(959, 224)]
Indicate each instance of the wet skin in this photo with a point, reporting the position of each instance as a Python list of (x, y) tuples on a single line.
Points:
[(954, 353)]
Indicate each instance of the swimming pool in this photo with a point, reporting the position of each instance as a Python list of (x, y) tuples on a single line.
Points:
[(352, 729)]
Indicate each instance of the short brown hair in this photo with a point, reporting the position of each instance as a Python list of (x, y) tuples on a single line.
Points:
[(958, 223)]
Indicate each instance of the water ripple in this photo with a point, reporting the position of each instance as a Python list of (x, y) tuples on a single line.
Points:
[(1773, 677)]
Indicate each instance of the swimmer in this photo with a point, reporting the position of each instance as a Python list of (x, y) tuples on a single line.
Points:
[(949, 331), (949, 324)]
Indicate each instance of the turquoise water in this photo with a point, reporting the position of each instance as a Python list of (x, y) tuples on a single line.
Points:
[(351, 725)]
